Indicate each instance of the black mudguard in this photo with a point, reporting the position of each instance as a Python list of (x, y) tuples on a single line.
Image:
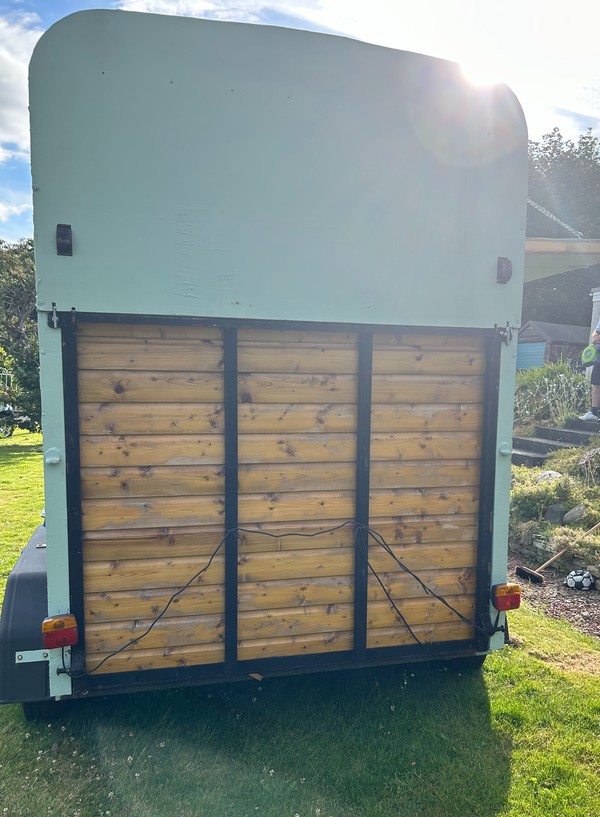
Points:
[(25, 607)]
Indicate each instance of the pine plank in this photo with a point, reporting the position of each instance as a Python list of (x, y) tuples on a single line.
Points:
[(297, 388), (140, 512), (415, 502), (285, 418), (140, 574), (292, 593), (294, 645), (423, 417), (150, 387), (151, 355), (452, 555), (173, 331), (297, 505), (141, 660), (312, 359), (151, 450), (295, 337), (427, 474), (381, 615), (279, 448), (173, 632), (151, 418), (128, 605), (296, 476), (430, 529), (405, 388), (426, 633), (430, 362), (294, 564), (400, 585), (287, 622), (430, 446), (427, 340), (152, 481)]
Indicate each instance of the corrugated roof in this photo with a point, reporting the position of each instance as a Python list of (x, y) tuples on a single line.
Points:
[(554, 333)]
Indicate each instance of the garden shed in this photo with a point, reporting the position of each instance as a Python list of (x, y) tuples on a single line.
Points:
[(541, 342)]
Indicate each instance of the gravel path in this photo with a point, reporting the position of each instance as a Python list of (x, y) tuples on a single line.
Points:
[(581, 608)]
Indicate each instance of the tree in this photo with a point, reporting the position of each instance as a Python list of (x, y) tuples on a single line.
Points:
[(18, 327), (564, 178)]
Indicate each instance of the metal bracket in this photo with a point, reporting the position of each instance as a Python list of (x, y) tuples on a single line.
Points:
[(504, 334), (53, 319), (30, 656)]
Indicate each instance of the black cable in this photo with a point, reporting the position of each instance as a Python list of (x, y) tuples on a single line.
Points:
[(375, 535), (381, 541), (153, 623)]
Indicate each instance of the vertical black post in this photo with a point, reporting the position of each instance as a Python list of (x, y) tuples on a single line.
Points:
[(363, 465), (68, 328), (230, 401), (489, 448)]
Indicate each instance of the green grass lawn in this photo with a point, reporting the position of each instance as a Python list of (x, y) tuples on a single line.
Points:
[(520, 738)]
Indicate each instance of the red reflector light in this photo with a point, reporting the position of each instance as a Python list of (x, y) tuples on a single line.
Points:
[(506, 596), (59, 631)]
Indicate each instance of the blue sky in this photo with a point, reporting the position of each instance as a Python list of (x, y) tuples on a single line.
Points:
[(546, 52)]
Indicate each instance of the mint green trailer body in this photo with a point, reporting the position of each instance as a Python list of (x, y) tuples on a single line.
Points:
[(339, 229)]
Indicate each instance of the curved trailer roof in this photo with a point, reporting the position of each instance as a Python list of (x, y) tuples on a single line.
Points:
[(231, 170)]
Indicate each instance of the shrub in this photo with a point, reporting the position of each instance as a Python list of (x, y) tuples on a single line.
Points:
[(550, 394), (530, 499)]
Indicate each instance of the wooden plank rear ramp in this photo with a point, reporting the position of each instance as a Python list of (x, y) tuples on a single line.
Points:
[(152, 450)]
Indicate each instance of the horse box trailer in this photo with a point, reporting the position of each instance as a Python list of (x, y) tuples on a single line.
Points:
[(278, 278)]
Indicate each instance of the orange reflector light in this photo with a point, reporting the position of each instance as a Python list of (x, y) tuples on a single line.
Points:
[(59, 631), (506, 596)]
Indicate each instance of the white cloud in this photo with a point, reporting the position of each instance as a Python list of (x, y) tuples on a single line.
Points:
[(18, 36), (8, 211)]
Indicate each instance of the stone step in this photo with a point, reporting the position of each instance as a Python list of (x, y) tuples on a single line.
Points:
[(584, 425), (522, 457), (564, 435), (539, 445)]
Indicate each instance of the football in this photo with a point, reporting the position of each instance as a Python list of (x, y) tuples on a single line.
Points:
[(580, 580)]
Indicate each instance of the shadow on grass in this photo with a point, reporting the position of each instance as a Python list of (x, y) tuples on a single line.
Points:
[(10, 453), (369, 743)]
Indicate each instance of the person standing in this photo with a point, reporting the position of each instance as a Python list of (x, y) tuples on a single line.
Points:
[(593, 414)]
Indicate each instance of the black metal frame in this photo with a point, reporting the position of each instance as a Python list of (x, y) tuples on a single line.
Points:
[(232, 669), (68, 327), (489, 447), (231, 498)]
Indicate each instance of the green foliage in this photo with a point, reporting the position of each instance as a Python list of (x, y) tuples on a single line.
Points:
[(551, 393), (22, 492), (18, 327), (530, 499), (564, 177)]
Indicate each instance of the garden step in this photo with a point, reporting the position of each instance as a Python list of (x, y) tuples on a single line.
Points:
[(539, 444), (522, 457), (584, 425), (566, 435)]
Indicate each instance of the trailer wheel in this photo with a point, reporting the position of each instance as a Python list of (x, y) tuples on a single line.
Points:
[(470, 663), (43, 710)]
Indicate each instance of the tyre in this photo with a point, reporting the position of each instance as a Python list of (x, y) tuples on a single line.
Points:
[(43, 710), (470, 663)]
